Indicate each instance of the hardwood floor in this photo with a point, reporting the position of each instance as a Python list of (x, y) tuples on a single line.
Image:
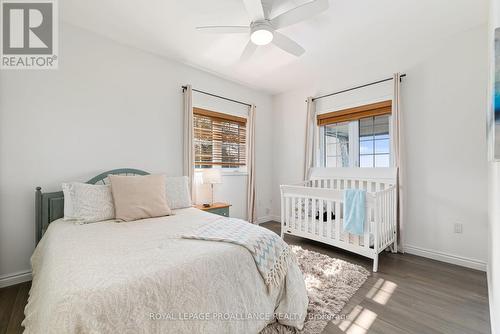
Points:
[(12, 302), (408, 295)]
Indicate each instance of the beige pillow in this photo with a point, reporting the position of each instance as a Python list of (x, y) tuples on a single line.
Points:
[(138, 197)]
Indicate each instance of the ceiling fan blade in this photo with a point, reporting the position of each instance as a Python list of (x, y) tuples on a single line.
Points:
[(287, 44), (255, 9), (268, 6), (301, 13), (224, 29), (248, 51)]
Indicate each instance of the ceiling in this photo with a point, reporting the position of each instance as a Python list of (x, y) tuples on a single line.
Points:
[(352, 34)]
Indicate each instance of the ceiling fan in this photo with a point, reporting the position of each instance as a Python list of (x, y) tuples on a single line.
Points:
[(263, 30)]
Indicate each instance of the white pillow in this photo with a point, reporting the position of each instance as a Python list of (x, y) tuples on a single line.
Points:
[(87, 203), (178, 194)]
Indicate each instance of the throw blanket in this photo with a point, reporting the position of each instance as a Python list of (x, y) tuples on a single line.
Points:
[(271, 254), (354, 211)]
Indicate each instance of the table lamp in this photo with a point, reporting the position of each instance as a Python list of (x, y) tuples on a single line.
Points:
[(212, 176)]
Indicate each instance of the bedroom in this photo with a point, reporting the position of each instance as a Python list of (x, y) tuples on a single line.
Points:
[(115, 100)]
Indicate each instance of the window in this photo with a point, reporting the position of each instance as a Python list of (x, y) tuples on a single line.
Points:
[(219, 139), (356, 137), (336, 144), (374, 142)]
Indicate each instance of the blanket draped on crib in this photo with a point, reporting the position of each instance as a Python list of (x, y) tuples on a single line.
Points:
[(354, 211), (271, 254)]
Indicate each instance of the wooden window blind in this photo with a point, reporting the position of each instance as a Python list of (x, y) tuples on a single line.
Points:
[(354, 114), (219, 139)]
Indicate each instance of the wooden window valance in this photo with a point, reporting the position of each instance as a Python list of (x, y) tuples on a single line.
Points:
[(219, 116), (356, 113), (219, 139)]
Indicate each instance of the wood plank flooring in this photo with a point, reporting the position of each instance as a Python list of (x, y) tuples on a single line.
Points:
[(409, 295), (12, 302)]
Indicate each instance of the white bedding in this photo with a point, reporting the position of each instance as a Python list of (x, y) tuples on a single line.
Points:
[(112, 277)]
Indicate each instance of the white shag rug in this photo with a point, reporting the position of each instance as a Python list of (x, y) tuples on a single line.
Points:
[(330, 283)]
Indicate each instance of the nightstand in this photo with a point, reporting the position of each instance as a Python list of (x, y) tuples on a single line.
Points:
[(221, 209)]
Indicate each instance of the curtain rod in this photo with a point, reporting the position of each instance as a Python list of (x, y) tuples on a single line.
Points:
[(218, 96), (357, 87)]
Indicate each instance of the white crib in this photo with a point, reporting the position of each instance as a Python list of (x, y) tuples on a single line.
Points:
[(314, 209)]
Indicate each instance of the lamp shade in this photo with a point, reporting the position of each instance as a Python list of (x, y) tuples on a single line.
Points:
[(212, 176), (198, 178)]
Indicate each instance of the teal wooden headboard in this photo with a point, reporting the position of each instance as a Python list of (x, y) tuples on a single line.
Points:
[(50, 206)]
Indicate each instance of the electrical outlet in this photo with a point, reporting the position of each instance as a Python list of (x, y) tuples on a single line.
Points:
[(458, 228)]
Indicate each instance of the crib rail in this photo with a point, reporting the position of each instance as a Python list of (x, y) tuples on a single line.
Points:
[(314, 210), (324, 194), (386, 218), (318, 214)]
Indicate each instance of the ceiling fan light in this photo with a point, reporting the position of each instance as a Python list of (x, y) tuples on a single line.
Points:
[(261, 36)]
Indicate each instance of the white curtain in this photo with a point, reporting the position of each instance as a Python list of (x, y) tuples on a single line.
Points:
[(251, 215), (397, 145), (311, 138), (188, 164)]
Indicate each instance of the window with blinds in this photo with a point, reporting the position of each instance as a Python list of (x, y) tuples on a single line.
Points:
[(219, 139), (356, 137)]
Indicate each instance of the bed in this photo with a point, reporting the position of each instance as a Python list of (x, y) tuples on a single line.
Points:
[(141, 277), (314, 209)]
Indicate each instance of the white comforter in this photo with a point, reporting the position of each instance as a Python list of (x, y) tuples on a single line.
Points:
[(140, 277)]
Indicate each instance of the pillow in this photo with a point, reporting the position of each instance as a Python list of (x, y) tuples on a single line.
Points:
[(139, 197), (178, 195), (87, 203)]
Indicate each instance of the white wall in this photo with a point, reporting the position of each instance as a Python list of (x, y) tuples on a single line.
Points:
[(108, 106), (444, 101), (494, 196), (494, 247)]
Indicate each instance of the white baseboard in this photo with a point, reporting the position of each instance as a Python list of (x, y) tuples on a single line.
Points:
[(15, 278), (268, 218), (445, 257), (275, 218), (263, 219)]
